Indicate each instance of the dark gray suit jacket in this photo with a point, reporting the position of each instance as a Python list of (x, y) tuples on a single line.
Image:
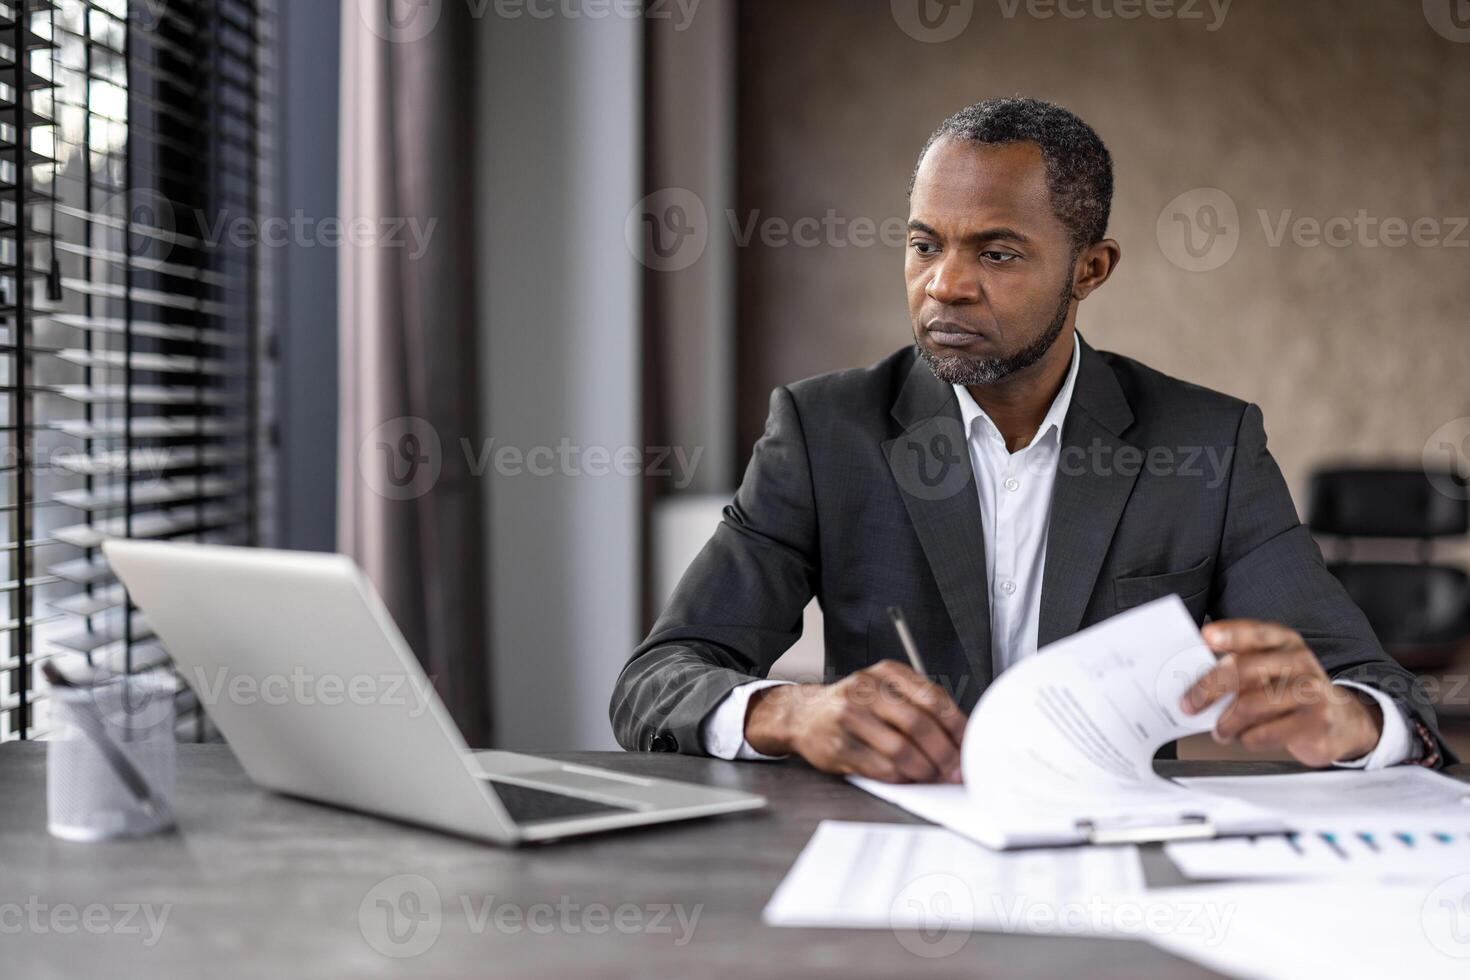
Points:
[(861, 493)]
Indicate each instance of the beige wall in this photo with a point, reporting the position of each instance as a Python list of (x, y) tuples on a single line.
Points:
[(1319, 107)]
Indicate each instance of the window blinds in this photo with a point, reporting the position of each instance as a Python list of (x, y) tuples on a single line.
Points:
[(134, 338)]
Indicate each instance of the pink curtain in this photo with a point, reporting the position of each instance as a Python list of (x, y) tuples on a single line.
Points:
[(410, 509)]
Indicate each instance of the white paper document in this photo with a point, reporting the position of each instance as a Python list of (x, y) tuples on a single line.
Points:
[(943, 803), (1399, 798), (1066, 739), (1309, 930), (908, 877), (1061, 745), (1060, 750), (1324, 854), (1399, 822)]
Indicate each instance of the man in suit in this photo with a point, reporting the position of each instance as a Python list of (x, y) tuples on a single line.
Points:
[(1005, 484)]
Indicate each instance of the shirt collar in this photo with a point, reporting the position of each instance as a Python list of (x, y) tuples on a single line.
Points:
[(970, 410)]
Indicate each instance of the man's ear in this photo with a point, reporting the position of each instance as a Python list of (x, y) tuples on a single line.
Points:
[(1094, 265)]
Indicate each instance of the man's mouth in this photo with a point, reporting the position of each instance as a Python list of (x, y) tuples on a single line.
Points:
[(949, 334)]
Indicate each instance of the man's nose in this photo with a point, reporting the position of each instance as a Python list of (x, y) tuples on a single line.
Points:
[(953, 282)]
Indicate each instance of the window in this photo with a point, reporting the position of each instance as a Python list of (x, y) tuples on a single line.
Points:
[(134, 338)]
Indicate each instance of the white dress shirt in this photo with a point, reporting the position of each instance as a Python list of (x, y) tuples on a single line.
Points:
[(1015, 491), (1015, 509)]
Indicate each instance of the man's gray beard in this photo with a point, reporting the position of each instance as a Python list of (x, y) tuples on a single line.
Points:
[(957, 369)]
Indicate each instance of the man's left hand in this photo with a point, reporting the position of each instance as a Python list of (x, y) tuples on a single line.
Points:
[(1283, 697)]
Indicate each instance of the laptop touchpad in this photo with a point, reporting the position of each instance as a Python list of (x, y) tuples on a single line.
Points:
[(590, 783)]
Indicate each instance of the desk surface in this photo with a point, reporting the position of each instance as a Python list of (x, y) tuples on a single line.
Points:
[(264, 885)]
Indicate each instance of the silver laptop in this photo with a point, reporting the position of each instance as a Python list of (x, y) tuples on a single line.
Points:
[(298, 663)]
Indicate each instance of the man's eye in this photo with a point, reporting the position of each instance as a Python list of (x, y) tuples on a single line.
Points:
[(999, 256), (924, 248)]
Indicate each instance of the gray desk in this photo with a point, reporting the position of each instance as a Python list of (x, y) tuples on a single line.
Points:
[(262, 885)]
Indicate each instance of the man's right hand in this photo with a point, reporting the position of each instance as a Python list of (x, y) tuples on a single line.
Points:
[(884, 721)]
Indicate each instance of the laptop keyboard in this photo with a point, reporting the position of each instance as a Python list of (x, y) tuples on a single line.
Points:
[(526, 805)]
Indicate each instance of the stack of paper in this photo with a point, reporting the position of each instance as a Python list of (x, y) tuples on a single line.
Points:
[(1312, 930), (909, 877), (1062, 744), (1393, 815), (1399, 822), (1060, 751), (932, 888), (1325, 853)]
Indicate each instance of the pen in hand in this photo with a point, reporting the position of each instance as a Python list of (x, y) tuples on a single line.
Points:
[(907, 640), (888, 721), (911, 650)]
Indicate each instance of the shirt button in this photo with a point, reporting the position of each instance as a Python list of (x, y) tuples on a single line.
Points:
[(1013, 484), (1008, 587)]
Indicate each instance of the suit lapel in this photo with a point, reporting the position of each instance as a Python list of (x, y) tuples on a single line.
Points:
[(1088, 500), (930, 461)]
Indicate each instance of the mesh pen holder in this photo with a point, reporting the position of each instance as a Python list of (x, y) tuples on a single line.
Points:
[(86, 798)]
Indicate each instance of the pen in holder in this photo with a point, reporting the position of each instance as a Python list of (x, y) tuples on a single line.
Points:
[(110, 758)]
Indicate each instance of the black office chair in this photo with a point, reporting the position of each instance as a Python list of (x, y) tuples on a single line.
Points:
[(1420, 610)]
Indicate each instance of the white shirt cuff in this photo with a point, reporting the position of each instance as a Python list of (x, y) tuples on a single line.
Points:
[(723, 729), (1395, 743)]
